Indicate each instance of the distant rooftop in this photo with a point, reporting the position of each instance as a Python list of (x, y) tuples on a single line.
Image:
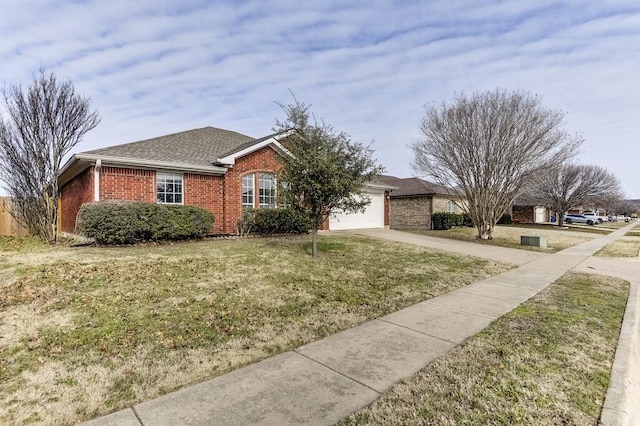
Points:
[(412, 187)]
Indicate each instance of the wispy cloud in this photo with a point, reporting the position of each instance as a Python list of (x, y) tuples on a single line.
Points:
[(155, 67)]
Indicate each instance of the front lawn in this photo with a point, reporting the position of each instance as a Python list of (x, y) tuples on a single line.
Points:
[(548, 362), (509, 236), (613, 225), (624, 247), (635, 232), (87, 331)]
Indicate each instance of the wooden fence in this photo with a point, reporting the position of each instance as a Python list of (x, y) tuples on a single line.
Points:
[(8, 225)]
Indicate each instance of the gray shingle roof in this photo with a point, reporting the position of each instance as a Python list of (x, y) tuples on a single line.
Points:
[(525, 200), (199, 147), (412, 187)]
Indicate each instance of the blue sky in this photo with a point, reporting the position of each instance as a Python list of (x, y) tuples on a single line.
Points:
[(154, 67)]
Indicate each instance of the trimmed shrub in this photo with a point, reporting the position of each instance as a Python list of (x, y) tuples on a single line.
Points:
[(442, 221), (245, 224), (467, 220), (505, 219), (279, 221), (127, 222)]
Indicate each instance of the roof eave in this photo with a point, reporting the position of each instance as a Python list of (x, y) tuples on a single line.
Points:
[(431, 194), (78, 162), (381, 186), (273, 141), (152, 164)]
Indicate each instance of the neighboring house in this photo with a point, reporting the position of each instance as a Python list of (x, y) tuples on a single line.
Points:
[(219, 170), (525, 210), (415, 200)]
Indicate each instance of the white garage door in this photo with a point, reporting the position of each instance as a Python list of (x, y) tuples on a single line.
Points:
[(540, 214), (373, 216)]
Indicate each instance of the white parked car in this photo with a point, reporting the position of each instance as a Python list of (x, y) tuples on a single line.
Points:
[(595, 217)]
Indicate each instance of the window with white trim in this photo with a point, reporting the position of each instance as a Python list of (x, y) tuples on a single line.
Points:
[(169, 188), (248, 186), (267, 190), (451, 207), (265, 197)]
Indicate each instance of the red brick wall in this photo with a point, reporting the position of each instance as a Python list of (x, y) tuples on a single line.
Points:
[(72, 195), (205, 191), (263, 160), (117, 183), (523, 214)]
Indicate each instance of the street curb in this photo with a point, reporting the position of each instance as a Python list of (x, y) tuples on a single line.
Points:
[(620, 405)]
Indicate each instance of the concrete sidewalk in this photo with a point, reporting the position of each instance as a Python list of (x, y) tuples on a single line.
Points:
[(621, 403), (324, 381)]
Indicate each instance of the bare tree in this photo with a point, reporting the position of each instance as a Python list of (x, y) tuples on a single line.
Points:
[(44, 122), (610, 202), (627, 207), (487, 146), (570, 186)]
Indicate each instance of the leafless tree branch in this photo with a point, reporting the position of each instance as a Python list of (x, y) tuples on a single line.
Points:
[(568, 186), (44, 122), (488, 146)]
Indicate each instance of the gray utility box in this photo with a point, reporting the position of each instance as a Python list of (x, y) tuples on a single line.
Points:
[(533, 241)]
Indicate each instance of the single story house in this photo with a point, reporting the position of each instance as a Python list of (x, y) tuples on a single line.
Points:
[(415, 200), (219, 170)]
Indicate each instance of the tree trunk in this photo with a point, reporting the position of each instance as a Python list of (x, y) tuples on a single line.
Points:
[(485, 231), (314, 242)]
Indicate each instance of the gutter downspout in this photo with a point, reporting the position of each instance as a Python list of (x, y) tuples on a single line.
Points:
[(96, 180), (431, 212)]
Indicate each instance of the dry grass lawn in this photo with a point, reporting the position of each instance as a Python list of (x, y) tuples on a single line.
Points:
[(87, 331), (613, 225), (623, 247), (635, 232), (547, 362), (509, 236)]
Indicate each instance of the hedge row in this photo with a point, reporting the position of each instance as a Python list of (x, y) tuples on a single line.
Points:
[(126, 222), (505, 219), (274, 221), (442, 221)]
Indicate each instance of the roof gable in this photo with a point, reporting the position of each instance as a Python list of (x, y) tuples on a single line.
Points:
[(241, 150)]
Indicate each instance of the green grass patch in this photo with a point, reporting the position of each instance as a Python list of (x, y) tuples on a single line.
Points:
[(547, 362), (132, 323)]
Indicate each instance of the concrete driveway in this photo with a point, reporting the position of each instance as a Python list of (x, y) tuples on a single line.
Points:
[(501, 254)]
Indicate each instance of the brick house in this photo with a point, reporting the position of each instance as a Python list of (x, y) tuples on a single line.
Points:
[(525, 210), (415, 200), (219, 170)]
